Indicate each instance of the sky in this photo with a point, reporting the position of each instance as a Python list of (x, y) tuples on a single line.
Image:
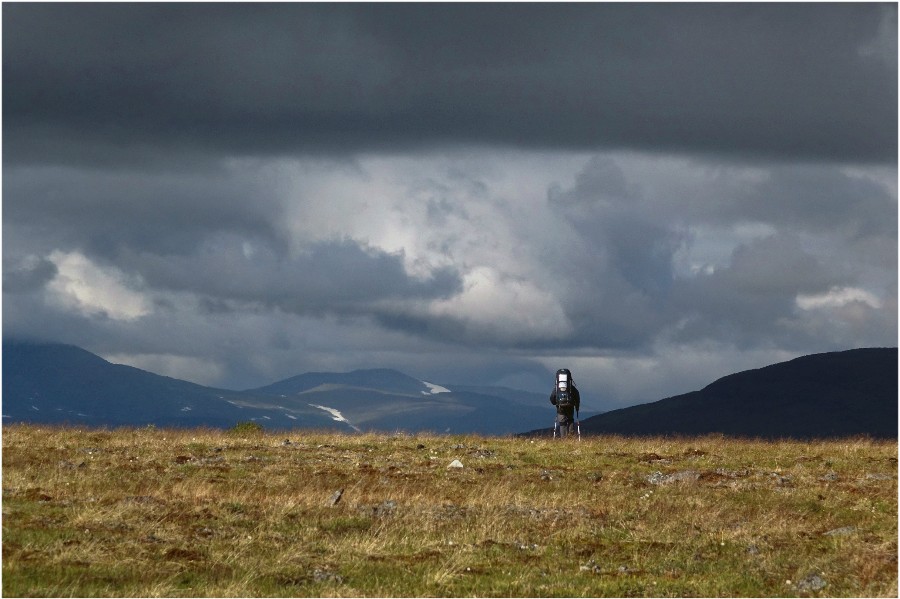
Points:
[(653, 196)]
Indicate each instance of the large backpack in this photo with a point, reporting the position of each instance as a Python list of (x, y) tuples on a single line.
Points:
[(564, 384)]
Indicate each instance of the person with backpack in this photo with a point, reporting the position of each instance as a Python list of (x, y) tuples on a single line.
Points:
[(567, 399)]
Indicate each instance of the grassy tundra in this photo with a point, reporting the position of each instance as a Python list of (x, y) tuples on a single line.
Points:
[(147, 512)]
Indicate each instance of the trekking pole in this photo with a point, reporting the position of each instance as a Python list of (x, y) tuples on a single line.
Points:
[(578, 424), (555, 425)]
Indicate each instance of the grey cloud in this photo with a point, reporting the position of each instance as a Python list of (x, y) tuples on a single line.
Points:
[(340, 276), (818, 199), (610, 215), (621, 289), (620, 258), (97, 82), (442, 328), (217, 235), (144, 135), (749, 302), (29, 276), (158, 212)]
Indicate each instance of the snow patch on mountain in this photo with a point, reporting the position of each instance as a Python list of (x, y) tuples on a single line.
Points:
[(335, 415), (434, 389)]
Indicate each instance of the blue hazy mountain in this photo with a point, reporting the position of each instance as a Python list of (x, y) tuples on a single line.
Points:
[(822, 395), (382, 399), (52, 383), (55, 383), (385, 380)]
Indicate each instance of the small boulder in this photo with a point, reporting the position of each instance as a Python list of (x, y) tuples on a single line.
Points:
[(657, 478), (813, 582), (684, 476), (385, 508)]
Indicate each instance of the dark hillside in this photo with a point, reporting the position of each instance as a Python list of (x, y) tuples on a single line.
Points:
[(822, 395), (55, 383)]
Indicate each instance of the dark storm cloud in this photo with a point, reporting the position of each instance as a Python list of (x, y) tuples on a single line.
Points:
[(816, 198), (212, 233), (621, 268), (28, 277), (166, 213), (623, 262), (334, 276), (106, 82), (257, 190), (749, 302)]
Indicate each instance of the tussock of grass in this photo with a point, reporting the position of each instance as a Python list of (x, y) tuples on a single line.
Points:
[(153, 512)]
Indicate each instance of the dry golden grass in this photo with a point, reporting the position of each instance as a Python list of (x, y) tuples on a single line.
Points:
[(146, 512)]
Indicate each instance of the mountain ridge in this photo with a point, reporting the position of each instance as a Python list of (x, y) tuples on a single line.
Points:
[(820, 395), (389, 379), (852, 392), (63, 383)]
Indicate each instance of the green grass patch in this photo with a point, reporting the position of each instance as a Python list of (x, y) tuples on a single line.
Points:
[(156, 512)]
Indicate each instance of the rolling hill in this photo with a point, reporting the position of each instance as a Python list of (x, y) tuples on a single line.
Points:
[(823, 395), (51, 383), (55, 383), (817, 396)]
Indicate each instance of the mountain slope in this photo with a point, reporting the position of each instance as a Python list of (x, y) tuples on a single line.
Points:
[(383, 399), (63, 383), (382, 379), (53, 383), (822, 395)]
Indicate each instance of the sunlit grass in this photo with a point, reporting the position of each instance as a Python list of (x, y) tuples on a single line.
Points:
[(152, 512)]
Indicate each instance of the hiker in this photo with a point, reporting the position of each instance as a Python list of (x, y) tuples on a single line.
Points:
[(567, 400)]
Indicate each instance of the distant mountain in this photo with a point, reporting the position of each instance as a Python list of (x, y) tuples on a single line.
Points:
[(822, 395), (61, 383), (54, 383), (389, 400), (387, 381)]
